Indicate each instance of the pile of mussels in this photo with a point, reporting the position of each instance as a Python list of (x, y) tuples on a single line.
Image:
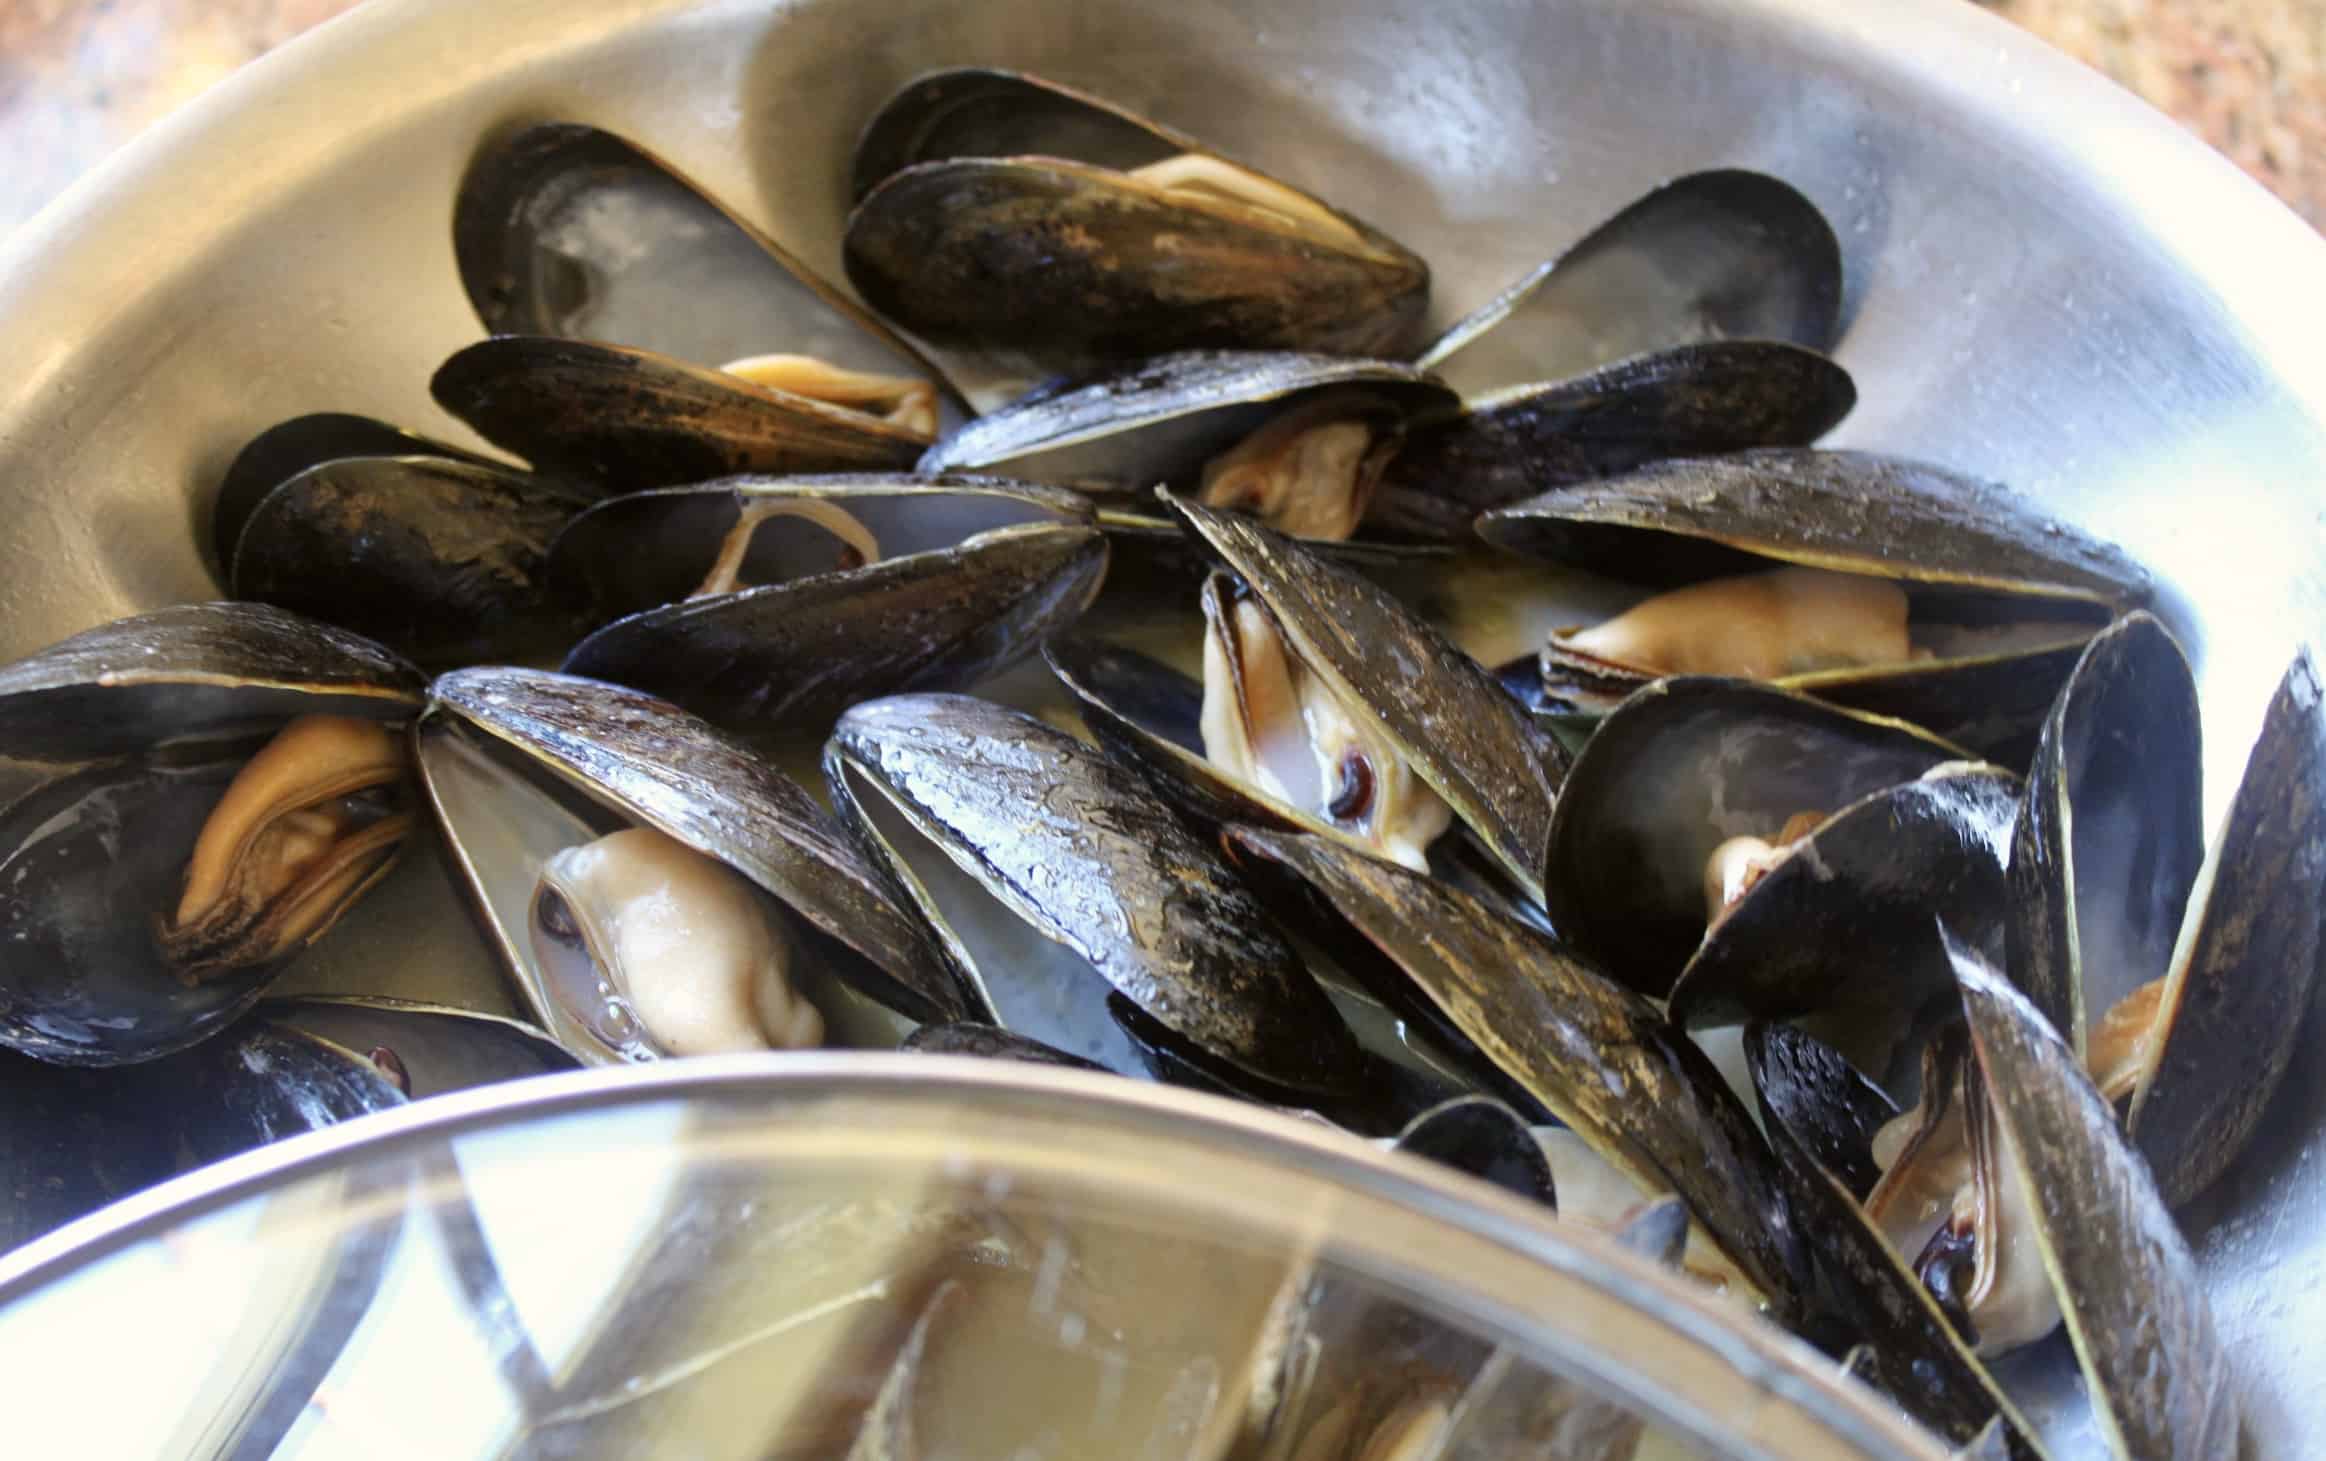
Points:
[(1877, 764)]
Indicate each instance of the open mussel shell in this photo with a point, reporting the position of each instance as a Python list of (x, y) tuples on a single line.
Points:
[(1984, 577), (777, 663), (1013, 836), (2111, 833), (1161, 420), (443, 560), (1821, 1116), (1487, 1139), (1723, 255), (1535, 1017), (1677, 770), (1841, 920), (141, 727), (1454, 725), (645, 549), (569, 231), (1059, 254), (424, 1050), (627, 419), (2126, 1282), (1690, 400), (2240, 979), (285, 450), (73, 1140), (520, 765), (989, 1042)]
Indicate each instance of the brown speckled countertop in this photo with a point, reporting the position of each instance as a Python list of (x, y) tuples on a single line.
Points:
[(80, 77)]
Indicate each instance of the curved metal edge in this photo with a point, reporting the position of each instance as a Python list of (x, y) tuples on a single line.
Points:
[(1512, 1232)]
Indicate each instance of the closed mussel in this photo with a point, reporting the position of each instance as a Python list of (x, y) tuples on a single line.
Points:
[(1054, 231), (201, 793), (768, 605), (1081, 901), (1669, 785), (1299, 441), (654, 888), (2179, 978), (1875, 582), (435, 552)]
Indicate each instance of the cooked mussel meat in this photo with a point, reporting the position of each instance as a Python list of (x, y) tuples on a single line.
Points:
[(1053, 231), (654, 888), (205, 791), (1803, 566)]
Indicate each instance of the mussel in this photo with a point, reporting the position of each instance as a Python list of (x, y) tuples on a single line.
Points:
[(640, 316), (1697, 321), (2179, 977), (771, 604), (654, 888), (1091, 917), (1882, 584), (205, 791), (1054, 231), (1300, 441), (1671, 780)]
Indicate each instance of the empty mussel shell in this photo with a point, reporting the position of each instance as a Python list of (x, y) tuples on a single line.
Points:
[(1839, 917), (424, 1050), (1540, 1019), (1100, 237), (1179, 419), (283, 451), (74, 1140), (217, 784), (2126, 1282), (1060, 879), (1849, 575), (1675, 773), (534, 776), (626, 419), (569, 231), (442, 559), (1405, 684), (1821, 1117), (1511, 443), (645, 549), (1722, 255), (777, 663)]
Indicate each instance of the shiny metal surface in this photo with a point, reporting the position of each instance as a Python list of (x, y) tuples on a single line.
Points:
[(906, 1127), (2049, 284)]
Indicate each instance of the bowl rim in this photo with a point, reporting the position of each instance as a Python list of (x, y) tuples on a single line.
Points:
[(1709, 1367)]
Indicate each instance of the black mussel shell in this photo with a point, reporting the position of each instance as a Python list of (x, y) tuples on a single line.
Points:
[(444, 561), (1487, 1139), (283, 451), (628, 419), (990, 1042), (1078, 849), (778, 663), (1536, 1017), (2126, 1282), (1721, 255), (1842, 920), (1678, 769)]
